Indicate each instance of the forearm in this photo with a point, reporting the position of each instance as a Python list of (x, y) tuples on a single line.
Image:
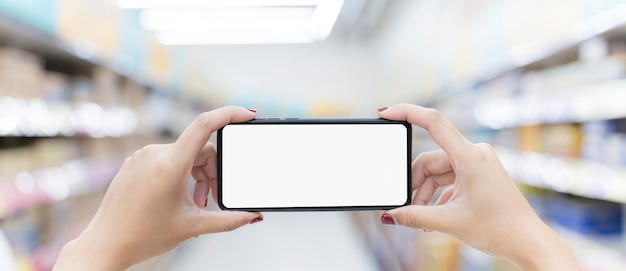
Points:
[(83, 254), (546, 251)]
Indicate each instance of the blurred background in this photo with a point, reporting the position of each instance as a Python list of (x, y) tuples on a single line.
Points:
[(83, 84)]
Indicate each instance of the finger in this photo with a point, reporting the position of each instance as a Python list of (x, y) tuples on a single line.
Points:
[(197, 134), (207, 153), (221, 221), (213, 183), (207, 161), (212, 180), (428, 164), (201, 190), (439, 128), (204, 185), (421, 217), (427, 190), (445, 196)]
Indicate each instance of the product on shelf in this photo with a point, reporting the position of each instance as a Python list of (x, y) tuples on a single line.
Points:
[(605, 142), (21, 73), (561, 140), (35, 117), (582, 90), (587, 216)]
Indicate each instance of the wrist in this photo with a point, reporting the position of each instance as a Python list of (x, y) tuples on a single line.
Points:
[(546, 251), (89, 252)]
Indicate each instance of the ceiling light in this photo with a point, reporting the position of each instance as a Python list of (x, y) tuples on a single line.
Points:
[(324, 18), (143, 4), (237, 21), (233, 37), (201, 20)]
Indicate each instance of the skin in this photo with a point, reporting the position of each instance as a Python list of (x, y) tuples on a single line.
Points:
[(482, 205), (148, 211)]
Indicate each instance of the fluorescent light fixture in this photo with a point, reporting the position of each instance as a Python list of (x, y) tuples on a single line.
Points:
[(250, 18), (144, 4), (237, 21), (324, 18), (233, 37)]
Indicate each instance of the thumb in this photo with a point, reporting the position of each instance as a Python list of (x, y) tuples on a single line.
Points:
[(419, 216), (222, 221)]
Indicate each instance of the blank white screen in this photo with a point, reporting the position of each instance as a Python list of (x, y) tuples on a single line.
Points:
[(316, 165)]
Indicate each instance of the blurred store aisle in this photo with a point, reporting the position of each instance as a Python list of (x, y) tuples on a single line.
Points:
[(283, 241)]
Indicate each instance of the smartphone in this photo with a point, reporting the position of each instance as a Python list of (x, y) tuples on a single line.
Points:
[(314, 165)]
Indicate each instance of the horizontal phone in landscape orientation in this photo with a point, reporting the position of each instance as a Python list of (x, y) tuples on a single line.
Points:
[(314, 165)]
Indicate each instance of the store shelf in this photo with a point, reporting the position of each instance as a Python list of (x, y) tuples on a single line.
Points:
[(38, 118), (556, 49), (79, 58), (16, 33), (598, 101), (47, 185), (546, 52), (594, 251), (566, 175)]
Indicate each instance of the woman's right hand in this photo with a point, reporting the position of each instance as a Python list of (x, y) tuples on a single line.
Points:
[(482, 205)]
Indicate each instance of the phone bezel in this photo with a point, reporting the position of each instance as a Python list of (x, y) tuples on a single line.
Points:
[(298, 121)]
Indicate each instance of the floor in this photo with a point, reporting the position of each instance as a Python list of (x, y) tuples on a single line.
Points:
[(283, 241)]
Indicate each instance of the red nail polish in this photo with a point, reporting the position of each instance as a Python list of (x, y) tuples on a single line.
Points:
[(382, 109), (206, 201), (388, 219), (258, 219), (251, 110)]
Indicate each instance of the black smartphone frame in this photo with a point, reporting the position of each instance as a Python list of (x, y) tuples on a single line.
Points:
[(305, 121)]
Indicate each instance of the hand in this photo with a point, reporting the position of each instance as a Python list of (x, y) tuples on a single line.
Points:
[(482, 205), (148, 210)]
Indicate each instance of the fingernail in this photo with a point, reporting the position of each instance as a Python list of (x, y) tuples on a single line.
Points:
[(388, 219), (382, 109), (251, 110), (258, 219)]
